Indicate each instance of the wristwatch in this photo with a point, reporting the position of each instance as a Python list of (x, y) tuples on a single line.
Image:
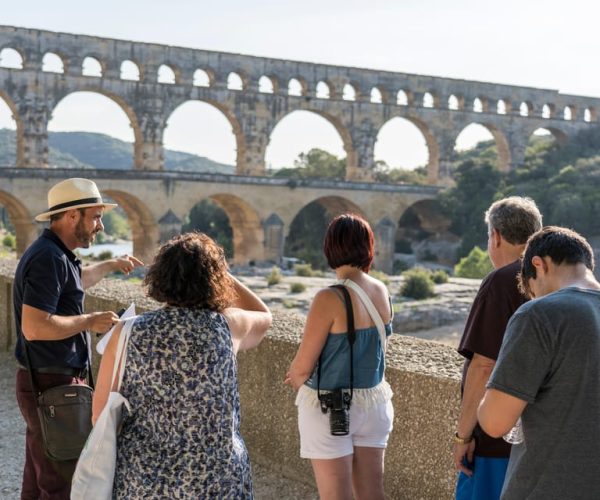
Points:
[(459, 440)]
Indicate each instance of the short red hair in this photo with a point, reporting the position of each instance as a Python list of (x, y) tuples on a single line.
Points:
[(349, 241)]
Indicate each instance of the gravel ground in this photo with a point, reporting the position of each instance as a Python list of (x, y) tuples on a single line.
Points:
[(267, 484)]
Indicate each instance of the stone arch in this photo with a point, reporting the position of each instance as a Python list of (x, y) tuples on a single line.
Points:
[(92, 66), (376, 96), (53, 62), (22, 220), (248, 233), (590, 114), (20, 143), (569, 112), (423, 230), (560, 136), (297, 87), (168, 74), (124, 106), (267, 85), (403, 98), (526, 108), (548, 110), (349, 92), (430, 141), (11, 58), (324, 90), (236, 128), (502, 107), (429, 100), (340, 128), (455, 103), (130, 70), (144, 228), (306, 229), (203, 77), (502, 146), (236, 81)]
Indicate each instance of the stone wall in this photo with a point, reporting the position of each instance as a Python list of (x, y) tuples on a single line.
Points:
[(424, 376)]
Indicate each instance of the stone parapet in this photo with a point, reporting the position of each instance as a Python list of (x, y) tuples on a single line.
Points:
[(424, 376)]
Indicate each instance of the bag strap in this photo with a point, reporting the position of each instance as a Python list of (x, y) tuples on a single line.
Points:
[(371, 309), (121, 355), (351, 338)]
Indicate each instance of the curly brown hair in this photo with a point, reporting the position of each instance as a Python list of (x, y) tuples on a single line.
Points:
[(190, 270)]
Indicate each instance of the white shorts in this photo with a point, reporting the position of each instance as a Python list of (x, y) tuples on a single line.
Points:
[(368, 427)]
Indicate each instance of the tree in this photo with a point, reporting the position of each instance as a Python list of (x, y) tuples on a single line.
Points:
[(316, 164), (209, 218)]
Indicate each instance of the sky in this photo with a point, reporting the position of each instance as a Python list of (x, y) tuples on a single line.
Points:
[(548, 44)]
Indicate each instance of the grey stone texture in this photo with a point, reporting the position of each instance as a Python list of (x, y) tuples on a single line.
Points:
[(424, 375)]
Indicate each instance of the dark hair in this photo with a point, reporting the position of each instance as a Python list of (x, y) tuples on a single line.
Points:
[(190, 270), (349, 241), (562, 245), (516, 218)]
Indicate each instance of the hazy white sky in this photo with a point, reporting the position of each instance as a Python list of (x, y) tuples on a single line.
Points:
[(551, 44)]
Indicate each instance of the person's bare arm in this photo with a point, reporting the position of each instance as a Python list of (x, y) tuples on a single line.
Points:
[(318, 324), (498, 412), (249, 318), (92, 274), (478, 374), (40, 325), (107, 364)]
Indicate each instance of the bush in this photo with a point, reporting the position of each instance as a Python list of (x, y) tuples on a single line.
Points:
[(275, 276), (400, 266), (381, 276), (307, 271), (297, 287), (9, 241), (440, 276), (417, 284), (105, 255), (475, 265)]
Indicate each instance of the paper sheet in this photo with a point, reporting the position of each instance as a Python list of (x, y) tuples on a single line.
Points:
[(101, 346)]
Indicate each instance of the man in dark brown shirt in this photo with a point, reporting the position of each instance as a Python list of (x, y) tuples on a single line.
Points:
[(480, 459)]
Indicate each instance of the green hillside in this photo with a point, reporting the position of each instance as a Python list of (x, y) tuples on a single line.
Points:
[(91, 150)]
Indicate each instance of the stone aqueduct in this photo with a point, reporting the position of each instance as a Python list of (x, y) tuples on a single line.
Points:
[(254, 93)]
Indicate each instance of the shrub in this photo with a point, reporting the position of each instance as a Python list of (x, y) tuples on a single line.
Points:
[(9, 241), (105, 255), (307, 271), (297, 287), (475, 265), (440, 276), (275, 276), (400, 266), (417, 284), (381, 276)]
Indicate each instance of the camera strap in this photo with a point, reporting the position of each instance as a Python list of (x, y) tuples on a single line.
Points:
[(351, 337)]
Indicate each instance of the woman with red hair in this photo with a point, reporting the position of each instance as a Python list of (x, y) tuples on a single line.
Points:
[(344, 404)]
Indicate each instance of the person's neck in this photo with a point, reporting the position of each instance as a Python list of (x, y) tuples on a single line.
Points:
[(576, 276), (69, 242), (348, 272), (509, 255)]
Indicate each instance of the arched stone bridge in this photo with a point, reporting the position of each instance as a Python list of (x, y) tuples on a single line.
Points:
[(255, 93), (260, 209)]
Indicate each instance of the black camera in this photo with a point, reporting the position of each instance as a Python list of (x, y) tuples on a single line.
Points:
[(338, 404)]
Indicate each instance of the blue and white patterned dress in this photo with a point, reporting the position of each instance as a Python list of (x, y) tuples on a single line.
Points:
[(182, 438)]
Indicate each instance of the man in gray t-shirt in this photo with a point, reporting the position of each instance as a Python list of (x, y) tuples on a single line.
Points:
[(548, 373)]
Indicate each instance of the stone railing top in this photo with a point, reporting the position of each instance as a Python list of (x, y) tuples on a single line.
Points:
[(404, 353)]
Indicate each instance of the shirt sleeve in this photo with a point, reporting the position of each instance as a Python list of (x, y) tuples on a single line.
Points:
[(43, 282), (487, 322), (525, 357)]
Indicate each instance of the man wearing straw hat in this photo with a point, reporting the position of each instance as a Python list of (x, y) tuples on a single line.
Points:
[(48, 297)]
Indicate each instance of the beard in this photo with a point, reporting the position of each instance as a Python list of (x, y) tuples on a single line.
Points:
[(84, 237)]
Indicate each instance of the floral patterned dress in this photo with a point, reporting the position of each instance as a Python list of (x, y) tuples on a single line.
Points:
[(182, 437)]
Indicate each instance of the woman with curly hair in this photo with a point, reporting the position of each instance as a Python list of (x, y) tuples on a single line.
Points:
[(181, 438)]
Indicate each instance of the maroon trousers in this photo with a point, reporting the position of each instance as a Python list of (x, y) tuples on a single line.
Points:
[(43, 479)]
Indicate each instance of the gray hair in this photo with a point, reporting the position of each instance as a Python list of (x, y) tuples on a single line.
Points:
[(516, 218)]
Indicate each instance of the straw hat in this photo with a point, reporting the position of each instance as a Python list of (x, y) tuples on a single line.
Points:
[(70, 194)]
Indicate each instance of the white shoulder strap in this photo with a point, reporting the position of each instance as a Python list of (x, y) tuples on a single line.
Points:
[(373, 312), (121, 355)]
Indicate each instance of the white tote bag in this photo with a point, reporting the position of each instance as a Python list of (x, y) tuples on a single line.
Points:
[(95, 471)]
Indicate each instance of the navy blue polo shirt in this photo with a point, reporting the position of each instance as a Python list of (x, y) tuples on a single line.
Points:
[(48, 277)]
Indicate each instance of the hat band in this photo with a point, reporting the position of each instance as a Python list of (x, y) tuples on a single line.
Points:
[(83, 201)]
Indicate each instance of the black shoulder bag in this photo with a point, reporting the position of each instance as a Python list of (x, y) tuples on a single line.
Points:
[(338, 401), (65, 413)]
